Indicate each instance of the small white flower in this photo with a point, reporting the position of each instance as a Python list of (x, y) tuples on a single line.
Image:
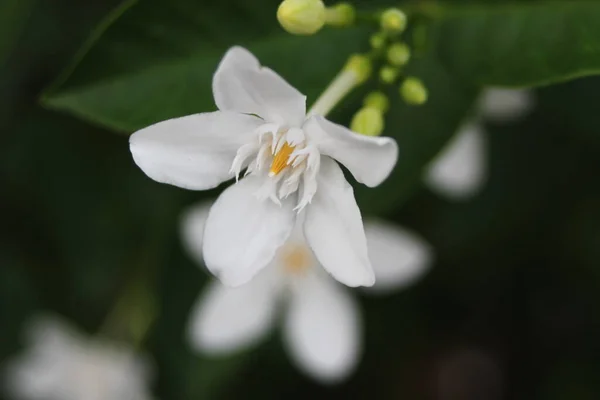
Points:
[(61, 364), (321, 326), (289, 160), (460, 170)]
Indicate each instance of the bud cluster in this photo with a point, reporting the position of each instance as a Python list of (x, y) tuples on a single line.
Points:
[(307, 17)]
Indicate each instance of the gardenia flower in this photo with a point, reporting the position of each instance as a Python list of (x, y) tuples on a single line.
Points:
[(460, 170), (291, 169), (322, 322), (61, 364)]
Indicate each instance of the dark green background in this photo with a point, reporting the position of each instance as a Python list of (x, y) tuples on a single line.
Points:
[(517, 271)]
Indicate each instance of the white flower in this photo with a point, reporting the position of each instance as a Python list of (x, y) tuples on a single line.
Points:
[(321, 326), (61, 364), (262, 126), (460, 170)]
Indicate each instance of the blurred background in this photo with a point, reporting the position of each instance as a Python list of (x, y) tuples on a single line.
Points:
[(509, 309)]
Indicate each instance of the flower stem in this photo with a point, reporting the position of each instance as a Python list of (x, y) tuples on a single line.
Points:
[(343, 84), (356, 71)]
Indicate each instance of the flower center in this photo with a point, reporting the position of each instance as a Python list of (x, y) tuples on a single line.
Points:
[(296, 259), (281, 159)]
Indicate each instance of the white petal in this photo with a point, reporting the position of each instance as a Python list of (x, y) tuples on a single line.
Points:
[(241, 84), (322, 329), (461, 169), (334, 229), (505, 104), (193, 222), (193, 152), (243, 233), (227, 319), (398, 257), (369, 159)]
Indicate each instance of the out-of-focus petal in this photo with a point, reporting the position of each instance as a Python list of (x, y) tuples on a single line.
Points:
[(193, 222), (505, 105), (322, 329), (398, 257), (227, 319), (460, 170)]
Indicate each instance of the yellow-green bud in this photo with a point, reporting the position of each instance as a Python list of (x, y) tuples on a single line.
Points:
[(340, 15), (388, 74), (361, 65), (393, 21), (368, 121), (398, 54), (377, 40), (301, 17), (377, 100), (413, 91)]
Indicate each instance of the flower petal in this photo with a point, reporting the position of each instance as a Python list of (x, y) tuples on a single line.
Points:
[(399, 257), (334, 229), (322, 329), (460, 171), (369, 159), (243, 233), (505, 104), (227, 319), (241, 84), (193, 222), (193, 152)]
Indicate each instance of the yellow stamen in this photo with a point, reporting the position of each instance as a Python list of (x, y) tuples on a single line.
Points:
[(296, 259), (280, 160)]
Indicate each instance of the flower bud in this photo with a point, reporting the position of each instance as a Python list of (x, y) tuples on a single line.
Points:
[(413, 91), (340, 15), (398, 54), (377, 100), (393, 21), (377, 40), (361, 65), (388, 74), (301, 17), (368, 121)]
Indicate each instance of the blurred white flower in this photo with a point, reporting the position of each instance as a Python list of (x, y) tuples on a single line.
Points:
[(460, 170), (61, 364), (261, 126), (505, 105), (322, 327)]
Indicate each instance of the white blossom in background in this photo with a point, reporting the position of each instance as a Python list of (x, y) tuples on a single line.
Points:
[(460, 170), (291, 171), (322, 327), (62, 364)]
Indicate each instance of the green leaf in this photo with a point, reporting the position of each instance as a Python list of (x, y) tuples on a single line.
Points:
[(156, 61), (13, 16), (519, 44)]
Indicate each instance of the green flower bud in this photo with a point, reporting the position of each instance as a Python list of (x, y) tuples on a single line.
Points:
[(340, 15), (398, 54), (393, 21), (413, 91), (377, 100), (361, 65), (301, 17), (377, 40), (388, 74), (368, 121)]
